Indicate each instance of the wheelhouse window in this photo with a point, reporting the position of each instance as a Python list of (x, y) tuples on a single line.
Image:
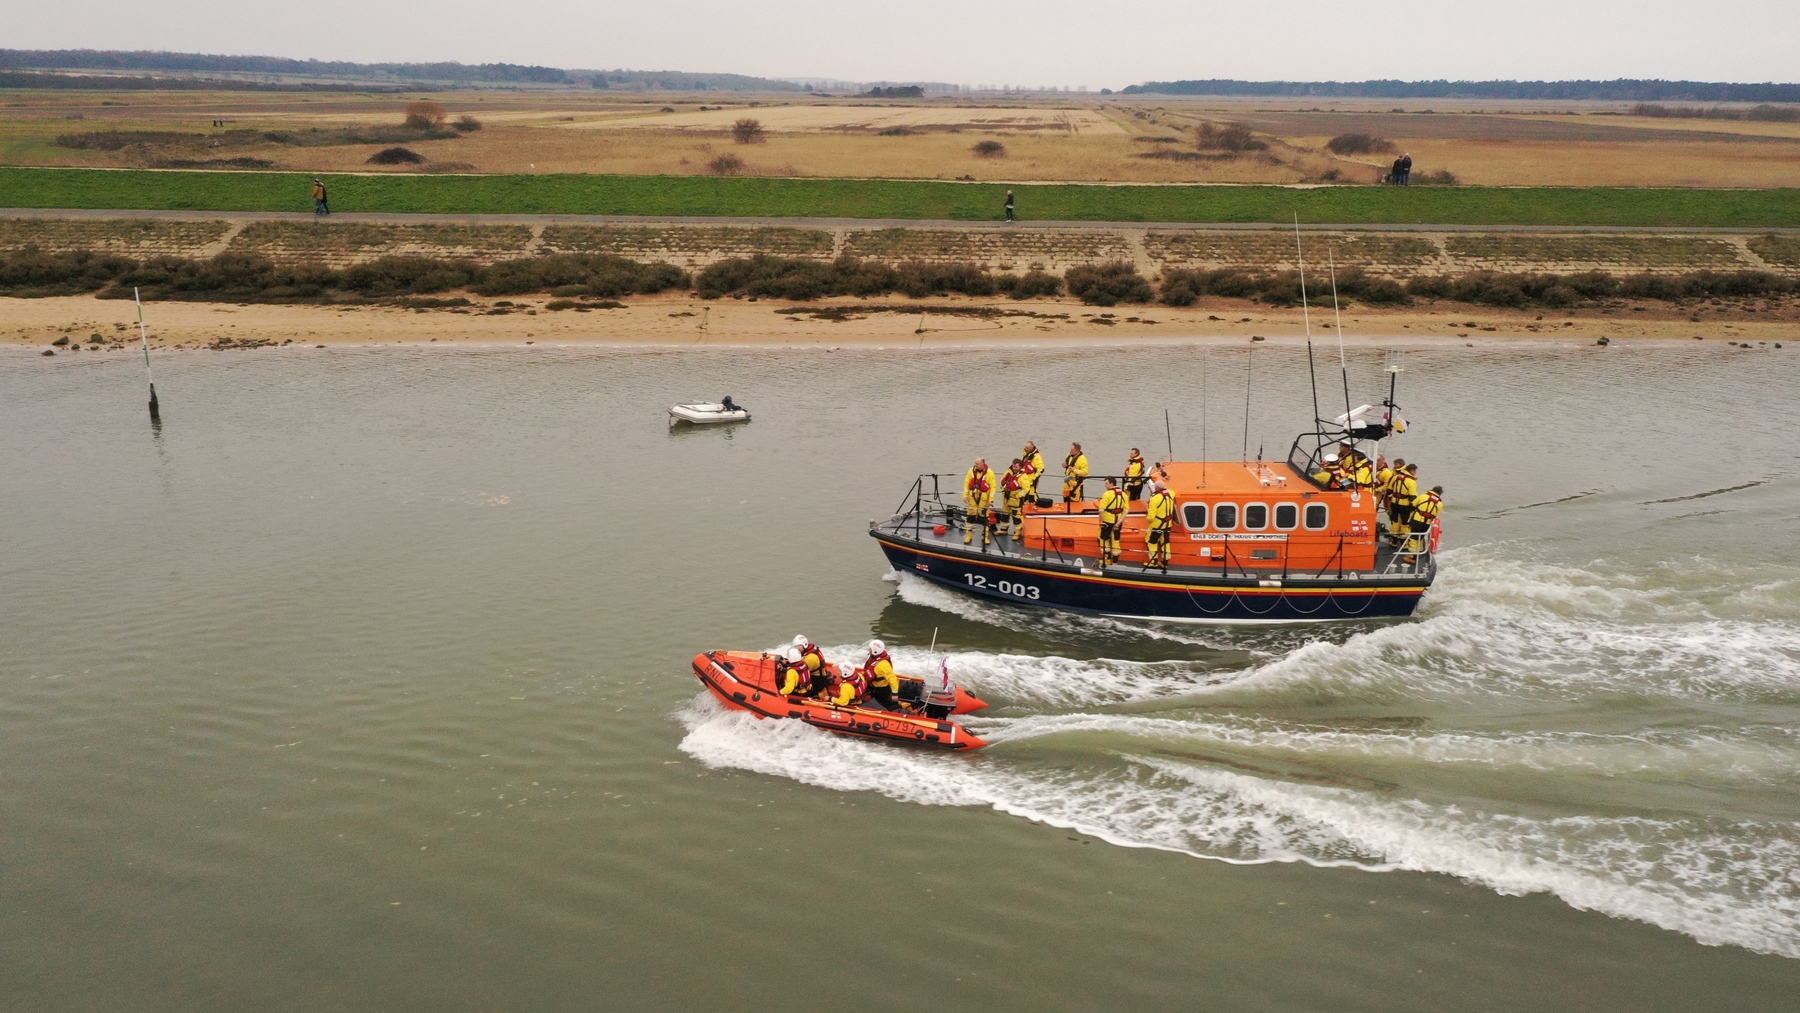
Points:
[(1287, 516), (1194, 516), (1256, 516), (1225, 516), (1318, 515)]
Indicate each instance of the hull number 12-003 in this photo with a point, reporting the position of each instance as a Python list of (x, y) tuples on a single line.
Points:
[(1002, 586)]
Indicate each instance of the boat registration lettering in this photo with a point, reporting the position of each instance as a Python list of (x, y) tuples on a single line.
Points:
[(1004, 587)]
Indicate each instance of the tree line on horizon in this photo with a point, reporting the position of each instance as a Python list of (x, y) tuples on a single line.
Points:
[(1618, 90)]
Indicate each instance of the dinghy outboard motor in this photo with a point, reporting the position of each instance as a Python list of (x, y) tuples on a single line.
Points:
[(726, 401), (940, 693)]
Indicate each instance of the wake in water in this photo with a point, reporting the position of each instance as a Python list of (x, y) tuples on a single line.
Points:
[(1627, 748)]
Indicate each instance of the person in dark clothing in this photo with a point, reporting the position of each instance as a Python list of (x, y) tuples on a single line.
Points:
[(1009, 205), (1403, 169)]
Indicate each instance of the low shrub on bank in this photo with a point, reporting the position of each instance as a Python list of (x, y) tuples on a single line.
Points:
[(1358, 144), (31, 273), (578, 274), (773, 277), (250, 277), (396, 156), (1185, 288), (1029, 285), (1107, 284), (1494, 288), (1227, 137)]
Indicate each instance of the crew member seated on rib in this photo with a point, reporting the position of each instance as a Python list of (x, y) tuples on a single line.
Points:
[(1075, 473), (815, 662), (978, 496), (1135, 467), (1161, 517), (791, 674), (884, 683), (1113, 508), (849, 689), (1012, 499)]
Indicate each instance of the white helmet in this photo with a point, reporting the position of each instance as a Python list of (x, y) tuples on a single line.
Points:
[(793, 655), (800, 640), (877, 647)]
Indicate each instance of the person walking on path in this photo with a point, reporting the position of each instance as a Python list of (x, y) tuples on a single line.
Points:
[(1009, 205), (1403, 169), (321, 201)]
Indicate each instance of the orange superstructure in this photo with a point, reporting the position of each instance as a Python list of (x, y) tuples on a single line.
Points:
[(1235, 516)]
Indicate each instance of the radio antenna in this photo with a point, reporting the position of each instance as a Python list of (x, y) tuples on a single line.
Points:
[(1345, 369), (1169, 433), (1204, 353), (1249, 362)]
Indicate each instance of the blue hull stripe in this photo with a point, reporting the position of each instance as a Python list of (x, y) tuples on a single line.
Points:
[(1218, 602)]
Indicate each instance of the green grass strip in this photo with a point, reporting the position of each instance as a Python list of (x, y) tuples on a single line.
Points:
[(754, 197)]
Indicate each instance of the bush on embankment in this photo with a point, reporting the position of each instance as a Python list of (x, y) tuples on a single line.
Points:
[(1494, 288), (773, 277), (1182, 287), (249, 277), (1107, 284)]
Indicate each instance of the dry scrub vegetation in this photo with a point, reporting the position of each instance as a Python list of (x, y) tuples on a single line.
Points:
[(1142, 139)]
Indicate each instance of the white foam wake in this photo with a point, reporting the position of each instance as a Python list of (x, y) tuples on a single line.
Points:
[(1718, 882)]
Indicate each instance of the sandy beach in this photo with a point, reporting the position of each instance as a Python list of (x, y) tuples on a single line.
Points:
[(952, 322)]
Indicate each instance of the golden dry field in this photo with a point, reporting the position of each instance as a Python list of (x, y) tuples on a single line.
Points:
[(1065, 138)]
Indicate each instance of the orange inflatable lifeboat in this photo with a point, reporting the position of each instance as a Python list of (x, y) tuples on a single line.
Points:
[(746, 681)]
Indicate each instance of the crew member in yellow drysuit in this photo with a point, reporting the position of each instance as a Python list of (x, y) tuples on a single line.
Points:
[(1113, 508), (1161, 515), (1134, 475), (884, 683), (795, 679), (850, 688), (1403, 495), (1032, 471), (1425, 514), (1075, 473), (1012, 499), (978, 496)]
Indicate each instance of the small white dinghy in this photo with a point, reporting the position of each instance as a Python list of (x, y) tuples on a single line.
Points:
[(701, 414)]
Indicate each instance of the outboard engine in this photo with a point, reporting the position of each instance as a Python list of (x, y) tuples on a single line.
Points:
[(726, 401), (940, 693)]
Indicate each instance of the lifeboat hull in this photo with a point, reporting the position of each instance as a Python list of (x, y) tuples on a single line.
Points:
[(1131, 592), (745, 681)]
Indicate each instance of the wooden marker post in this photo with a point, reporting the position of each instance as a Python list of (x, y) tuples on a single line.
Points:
[(144, 336)]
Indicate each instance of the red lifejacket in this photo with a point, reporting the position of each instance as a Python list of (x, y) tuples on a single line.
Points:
[(868, 667), (854, 678), (1009, 482)]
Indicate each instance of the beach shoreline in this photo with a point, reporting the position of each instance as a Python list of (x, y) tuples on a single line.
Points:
[(678, 320)]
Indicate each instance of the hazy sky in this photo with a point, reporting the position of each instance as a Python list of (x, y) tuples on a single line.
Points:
[(1047, 42)]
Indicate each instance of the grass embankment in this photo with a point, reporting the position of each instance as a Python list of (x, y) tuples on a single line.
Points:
[(25, 187)]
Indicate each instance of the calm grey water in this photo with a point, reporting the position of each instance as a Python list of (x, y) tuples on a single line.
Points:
[(364, 685)]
